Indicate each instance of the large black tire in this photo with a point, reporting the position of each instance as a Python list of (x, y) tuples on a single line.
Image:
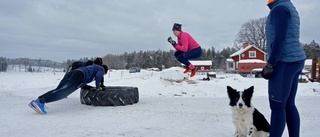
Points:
[(109, 96)]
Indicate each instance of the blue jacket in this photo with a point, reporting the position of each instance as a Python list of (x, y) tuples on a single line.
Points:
[(92, 72), (283, 33)]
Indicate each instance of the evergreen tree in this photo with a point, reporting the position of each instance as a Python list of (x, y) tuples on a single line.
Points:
[(3, 64)]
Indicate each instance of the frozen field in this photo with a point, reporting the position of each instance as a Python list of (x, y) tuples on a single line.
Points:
[(165, 109)]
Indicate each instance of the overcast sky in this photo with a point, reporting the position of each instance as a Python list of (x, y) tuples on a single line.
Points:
[(70, 29)]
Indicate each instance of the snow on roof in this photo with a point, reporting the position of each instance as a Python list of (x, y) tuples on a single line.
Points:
[(211, 73), (305, 71), (230, 60), (308, 62), (256, 70), (252, 61), (240, 51), (245, 49), (201, 62)]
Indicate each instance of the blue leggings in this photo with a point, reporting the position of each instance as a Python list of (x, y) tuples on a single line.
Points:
[(283, 86), (184, 56), (70, 83)]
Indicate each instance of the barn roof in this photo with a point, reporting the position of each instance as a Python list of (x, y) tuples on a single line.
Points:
[(252, 61), (245, 49), (201, 62), (230, 60)]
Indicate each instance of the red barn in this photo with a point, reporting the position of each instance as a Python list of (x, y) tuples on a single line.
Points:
[(201, 65), (246, 59)]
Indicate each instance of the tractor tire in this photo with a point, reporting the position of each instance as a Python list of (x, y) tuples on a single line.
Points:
[(109, 96)]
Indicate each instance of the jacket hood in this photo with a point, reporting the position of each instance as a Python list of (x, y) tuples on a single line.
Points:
[(276, 2)]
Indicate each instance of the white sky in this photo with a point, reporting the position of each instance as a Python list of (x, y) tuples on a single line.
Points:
[(71, 29)]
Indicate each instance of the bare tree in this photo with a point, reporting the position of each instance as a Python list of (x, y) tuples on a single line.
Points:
[(39, 64), (114, 61), (312, 50), (26, 63), (253, 33)]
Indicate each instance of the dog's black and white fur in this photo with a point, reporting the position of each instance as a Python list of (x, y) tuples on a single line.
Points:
[(248, 120)]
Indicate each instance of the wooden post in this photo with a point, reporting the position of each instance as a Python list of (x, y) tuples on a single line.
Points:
[(314, 69)]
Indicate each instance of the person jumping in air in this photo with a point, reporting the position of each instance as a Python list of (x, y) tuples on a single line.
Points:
[(70, 83), (187, 48)]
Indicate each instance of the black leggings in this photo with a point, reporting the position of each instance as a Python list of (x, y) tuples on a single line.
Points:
[(70, 83)]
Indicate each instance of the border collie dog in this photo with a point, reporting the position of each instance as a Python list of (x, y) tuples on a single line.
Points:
[(248, 120)]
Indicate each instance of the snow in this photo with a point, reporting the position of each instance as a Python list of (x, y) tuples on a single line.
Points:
[(201, 63), (241, 51), (165, 108), (252, 61), (230, 60), (212, 73), (245, 49), (257, 70), (308, 62)]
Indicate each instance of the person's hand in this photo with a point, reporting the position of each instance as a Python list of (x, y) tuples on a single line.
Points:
[(97, 89), (170, 39), (172, 42), (103, 87), (267, 71)]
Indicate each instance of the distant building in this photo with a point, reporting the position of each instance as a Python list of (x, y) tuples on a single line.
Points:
[(308, 64), (246, 59), (201, 65)]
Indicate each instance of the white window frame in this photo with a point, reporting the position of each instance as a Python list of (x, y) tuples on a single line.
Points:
[(252, 52)]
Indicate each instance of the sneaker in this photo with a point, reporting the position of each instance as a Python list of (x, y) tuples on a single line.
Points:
[(37, 106), (187, 70), (193, 72), (33, 107)]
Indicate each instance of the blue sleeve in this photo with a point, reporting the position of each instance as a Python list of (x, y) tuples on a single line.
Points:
[(98, 77), (280, 19)]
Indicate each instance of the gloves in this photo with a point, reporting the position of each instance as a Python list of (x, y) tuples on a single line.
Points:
[(97, 90), (267, 71), (170, 39), (103, 87), (172, 42)]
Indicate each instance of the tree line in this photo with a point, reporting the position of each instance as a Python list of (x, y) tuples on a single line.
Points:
[(29, 65), (162, 59), (3, 64)]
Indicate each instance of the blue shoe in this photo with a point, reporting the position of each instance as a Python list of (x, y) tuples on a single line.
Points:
[(32, 106), (37, 106)]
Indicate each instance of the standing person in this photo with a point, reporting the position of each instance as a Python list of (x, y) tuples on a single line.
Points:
[(187, 48), (70, 83), (285, 63)]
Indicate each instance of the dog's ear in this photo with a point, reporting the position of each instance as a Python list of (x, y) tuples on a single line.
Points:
[(230, 90), (249, 90)]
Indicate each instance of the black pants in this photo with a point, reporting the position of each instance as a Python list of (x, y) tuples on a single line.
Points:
[(183, 57), (70, 83)]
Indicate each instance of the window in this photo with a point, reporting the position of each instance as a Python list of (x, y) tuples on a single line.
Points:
[(252, 54)]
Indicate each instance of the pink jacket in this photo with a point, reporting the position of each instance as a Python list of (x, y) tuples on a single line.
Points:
[(186, 42)]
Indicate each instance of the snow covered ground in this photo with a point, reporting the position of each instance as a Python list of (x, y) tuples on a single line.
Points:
[(165, 109)]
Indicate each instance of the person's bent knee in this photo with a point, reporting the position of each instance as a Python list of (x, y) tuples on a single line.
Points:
[(276, 104), (181, 57)]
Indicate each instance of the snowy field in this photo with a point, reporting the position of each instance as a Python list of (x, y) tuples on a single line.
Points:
[(165, 109)]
